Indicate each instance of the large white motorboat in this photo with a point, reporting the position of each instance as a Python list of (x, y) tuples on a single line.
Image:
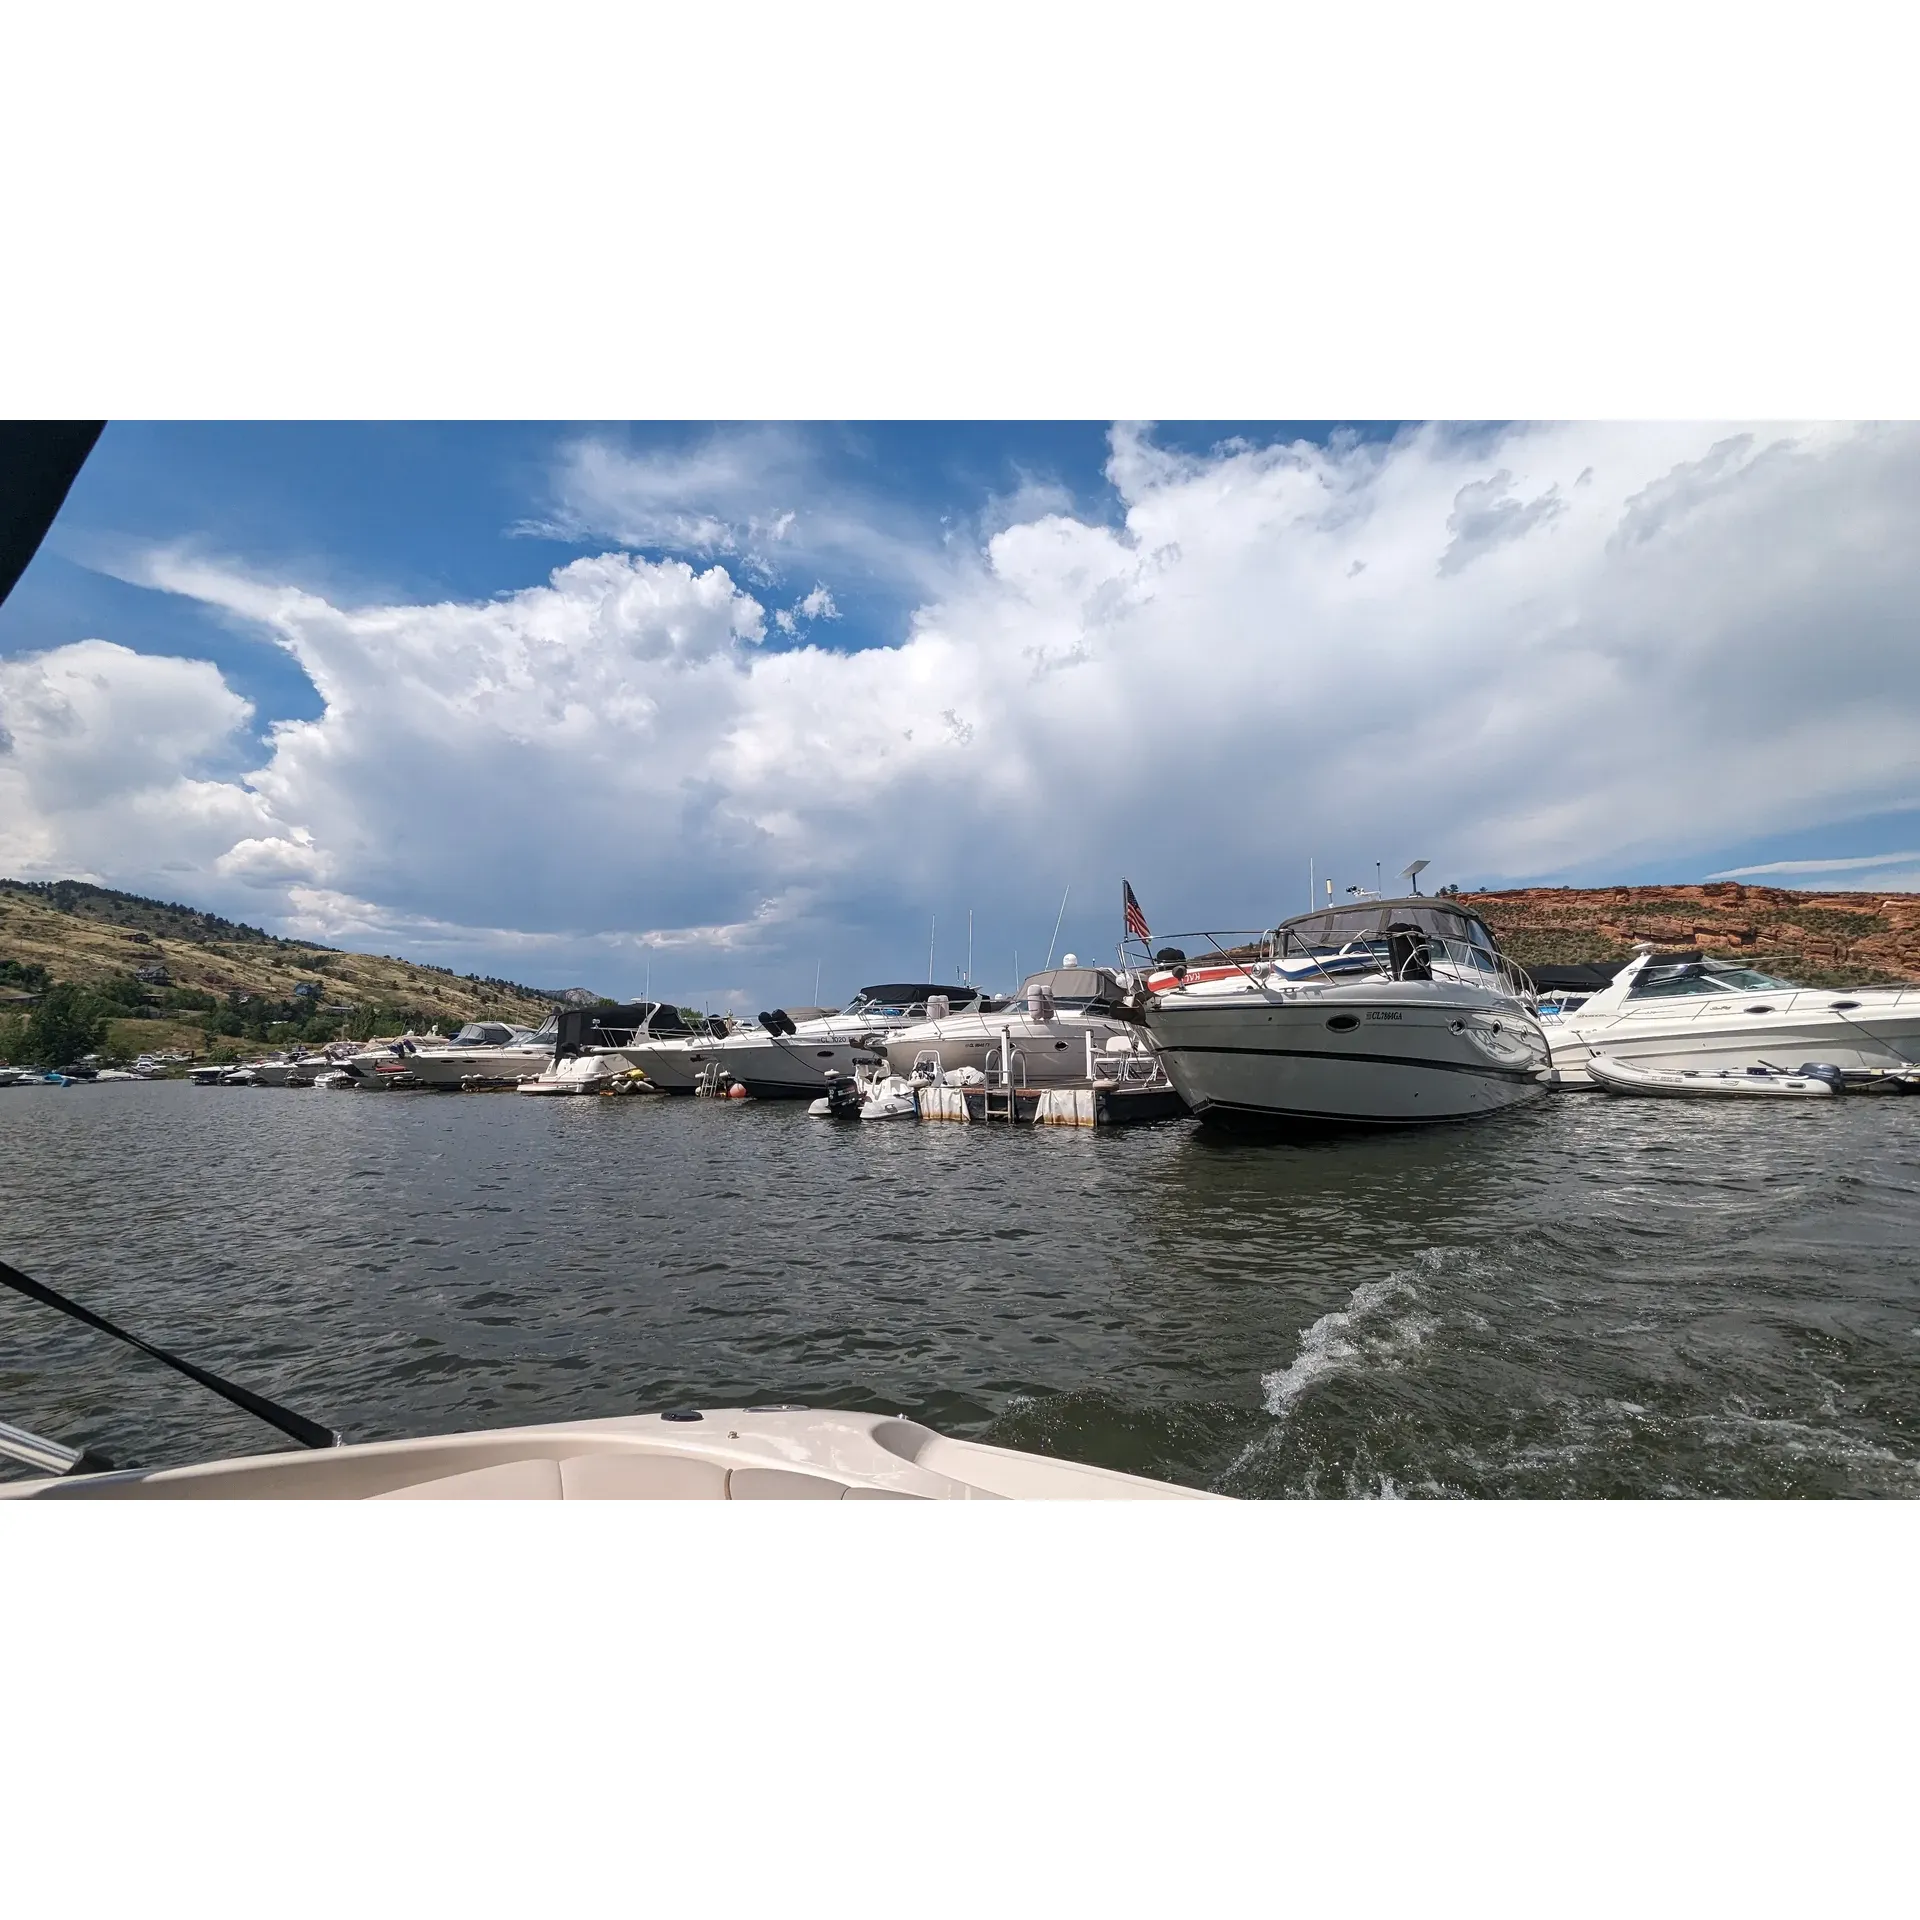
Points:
[(1038, 1039), (481, 1050), (1387, 1013), (669, 1049), (787, 1059), (1682, 1010)]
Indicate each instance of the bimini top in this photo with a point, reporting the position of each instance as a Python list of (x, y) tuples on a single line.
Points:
[(1076, 988), (1371, 920), (895, 996), (483, 1033), (614, 1026)]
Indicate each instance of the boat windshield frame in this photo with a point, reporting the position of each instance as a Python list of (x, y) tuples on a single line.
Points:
[(1703, 979)]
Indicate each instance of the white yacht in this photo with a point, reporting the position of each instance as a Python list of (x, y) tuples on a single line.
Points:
[(1682, 1010), (486, 1050), (1387, 1013), (668, 1049), (1038, 1039), (786, 1058)]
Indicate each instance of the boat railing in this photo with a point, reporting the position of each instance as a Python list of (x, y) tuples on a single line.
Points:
[(1271, 959), (1136, 1067), (1011, 1060)]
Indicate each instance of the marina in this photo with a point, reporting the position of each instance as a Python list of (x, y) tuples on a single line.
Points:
[(1581, 1296)]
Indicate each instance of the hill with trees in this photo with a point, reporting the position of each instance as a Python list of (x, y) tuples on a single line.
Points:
[(150, 974)]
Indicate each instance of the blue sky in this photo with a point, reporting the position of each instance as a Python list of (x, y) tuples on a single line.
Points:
[(726, 701)]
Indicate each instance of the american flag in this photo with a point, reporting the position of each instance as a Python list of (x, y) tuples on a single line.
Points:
[(1136, 920)]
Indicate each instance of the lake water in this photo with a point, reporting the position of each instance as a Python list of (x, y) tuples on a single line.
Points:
[(1586, 1297)]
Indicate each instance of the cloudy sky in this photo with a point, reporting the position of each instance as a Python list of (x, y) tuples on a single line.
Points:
[(713, 707)]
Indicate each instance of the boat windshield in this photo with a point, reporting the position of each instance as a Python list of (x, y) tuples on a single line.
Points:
[(482, 1033), (1702, 976), (1340, 927), (901, 1000)]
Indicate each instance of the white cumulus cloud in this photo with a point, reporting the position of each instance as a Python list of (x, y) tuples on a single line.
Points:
[(1527, 652)]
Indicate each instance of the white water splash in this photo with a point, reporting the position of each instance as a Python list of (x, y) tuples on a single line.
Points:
[(1379, 1326)]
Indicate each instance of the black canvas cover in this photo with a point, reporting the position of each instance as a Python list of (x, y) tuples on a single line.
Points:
[(609, 1026), (1572, 979)]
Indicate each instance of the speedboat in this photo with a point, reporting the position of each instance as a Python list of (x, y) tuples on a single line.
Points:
[(484, 1050), (284, 1069), (789, 1059), (729, 1453), (1388, 1013), (737, 1453), (668, 1049), (383, 1063), (1681, 1009), (580, 1073), (1060, 1019)]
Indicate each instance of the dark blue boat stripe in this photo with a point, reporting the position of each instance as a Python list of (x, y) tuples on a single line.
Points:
[(1371, 1059)]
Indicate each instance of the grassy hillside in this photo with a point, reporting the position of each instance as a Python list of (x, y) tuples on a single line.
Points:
[(215, 973)]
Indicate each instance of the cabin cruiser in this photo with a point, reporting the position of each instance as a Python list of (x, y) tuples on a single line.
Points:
[(788, 1058), (1681, 1010), (1039, 1039), (484, 1050), (286, 1069), (1386, 1013), (670, 1050)]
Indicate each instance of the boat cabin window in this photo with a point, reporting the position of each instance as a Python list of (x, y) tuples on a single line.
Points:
[(1701, 977)]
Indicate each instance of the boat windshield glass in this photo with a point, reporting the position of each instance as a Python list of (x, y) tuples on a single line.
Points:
[(1702, 976), (482, 1033), (1342, 926)]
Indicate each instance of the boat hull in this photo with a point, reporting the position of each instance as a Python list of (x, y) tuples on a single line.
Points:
[(1873, 1031), (449, 1067), (787, 1069), (1391, 1059), (1047, 1052)]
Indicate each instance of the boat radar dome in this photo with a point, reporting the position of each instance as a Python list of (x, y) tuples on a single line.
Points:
[(1069, 959)]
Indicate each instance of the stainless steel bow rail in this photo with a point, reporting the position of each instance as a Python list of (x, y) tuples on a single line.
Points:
[(50, 1456)]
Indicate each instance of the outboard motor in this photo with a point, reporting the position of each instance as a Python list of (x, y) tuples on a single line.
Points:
[(843, 1097), (1408, 955), (1821, 1070)]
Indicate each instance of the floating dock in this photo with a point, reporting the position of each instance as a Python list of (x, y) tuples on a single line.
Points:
[(1087, 1106)]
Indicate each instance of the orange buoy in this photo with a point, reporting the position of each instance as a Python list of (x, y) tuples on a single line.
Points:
[(736, 1093)]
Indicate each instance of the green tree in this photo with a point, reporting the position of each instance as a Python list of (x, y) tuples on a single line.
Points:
[(68, 1024)]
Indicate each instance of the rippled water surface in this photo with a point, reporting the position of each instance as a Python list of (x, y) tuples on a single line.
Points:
[(1587, 1297)]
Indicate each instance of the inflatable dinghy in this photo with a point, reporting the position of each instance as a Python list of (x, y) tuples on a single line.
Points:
[(1811, 1082)]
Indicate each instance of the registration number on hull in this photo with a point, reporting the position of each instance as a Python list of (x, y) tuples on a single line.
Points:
[(1379, 1013)]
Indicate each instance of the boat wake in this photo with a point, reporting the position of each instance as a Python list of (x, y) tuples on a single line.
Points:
[(1382, 1323)]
